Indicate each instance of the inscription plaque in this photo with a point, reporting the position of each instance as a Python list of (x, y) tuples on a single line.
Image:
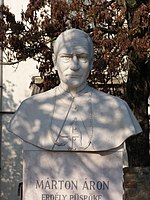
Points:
[(72, 175)]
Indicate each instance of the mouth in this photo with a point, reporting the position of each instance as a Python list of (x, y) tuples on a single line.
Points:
[(73, 75)]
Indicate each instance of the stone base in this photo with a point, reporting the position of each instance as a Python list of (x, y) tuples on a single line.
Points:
[(72, 175)]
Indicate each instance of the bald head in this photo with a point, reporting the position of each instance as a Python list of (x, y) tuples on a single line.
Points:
[(73, 58), (69, 37)]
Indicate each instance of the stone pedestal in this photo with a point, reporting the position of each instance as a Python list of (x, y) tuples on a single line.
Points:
[(72, 175)]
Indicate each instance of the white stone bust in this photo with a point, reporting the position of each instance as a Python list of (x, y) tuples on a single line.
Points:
[(74, 116)]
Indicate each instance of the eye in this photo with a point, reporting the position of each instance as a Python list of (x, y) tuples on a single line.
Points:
[(66, 58), (82, 58)]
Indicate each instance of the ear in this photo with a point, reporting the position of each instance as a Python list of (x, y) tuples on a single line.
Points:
[(54, 61)]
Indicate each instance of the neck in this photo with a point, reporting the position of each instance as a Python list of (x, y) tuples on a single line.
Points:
[(74, 91)]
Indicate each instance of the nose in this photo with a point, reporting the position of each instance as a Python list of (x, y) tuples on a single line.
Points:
[(75, 64)]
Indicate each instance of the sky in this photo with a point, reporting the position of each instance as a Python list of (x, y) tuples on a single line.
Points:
[(17, 78), (16, 6)]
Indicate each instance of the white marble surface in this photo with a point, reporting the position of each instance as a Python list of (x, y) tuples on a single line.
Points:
[(73, 116), (48, 122), (72, 176)]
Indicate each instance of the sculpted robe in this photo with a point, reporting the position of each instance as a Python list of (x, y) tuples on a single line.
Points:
[(84, 135), (92, 121)]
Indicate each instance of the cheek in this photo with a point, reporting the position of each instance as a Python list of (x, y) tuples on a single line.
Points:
[(61, 66), (86, 68)]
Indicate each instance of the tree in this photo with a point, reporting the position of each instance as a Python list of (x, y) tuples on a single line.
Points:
[(138, 84), (119, 30)]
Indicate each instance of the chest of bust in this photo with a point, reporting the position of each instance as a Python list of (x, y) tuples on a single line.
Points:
[(71, 123)]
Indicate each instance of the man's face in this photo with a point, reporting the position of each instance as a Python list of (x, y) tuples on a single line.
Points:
[(73, 62)]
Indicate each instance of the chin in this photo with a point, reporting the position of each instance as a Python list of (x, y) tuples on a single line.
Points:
[(74, 84)]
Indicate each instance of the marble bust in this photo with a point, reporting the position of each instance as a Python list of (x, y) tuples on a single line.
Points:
[(73, 116)]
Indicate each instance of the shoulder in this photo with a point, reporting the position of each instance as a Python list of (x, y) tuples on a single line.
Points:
[(43, 97), (41, 101), (107, 99)]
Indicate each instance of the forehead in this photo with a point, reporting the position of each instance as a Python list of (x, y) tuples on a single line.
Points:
[(76, 46), (72, 42)]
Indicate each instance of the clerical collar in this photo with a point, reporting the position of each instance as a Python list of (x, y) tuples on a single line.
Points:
[(84, 89)]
